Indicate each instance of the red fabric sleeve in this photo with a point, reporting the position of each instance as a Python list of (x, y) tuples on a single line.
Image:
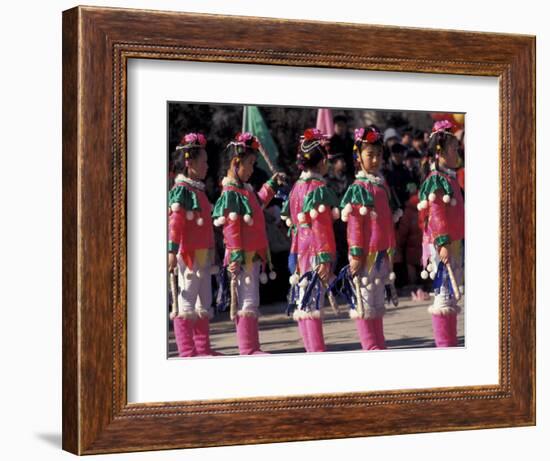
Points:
[(176, 225), (438, 220)]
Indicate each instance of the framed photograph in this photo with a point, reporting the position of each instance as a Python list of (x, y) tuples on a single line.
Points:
[(282, 230)]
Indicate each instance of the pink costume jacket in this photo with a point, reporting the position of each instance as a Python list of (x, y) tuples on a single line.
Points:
[(190, 226), (442, 209), (240, 211), (366, 208), (309, 213)]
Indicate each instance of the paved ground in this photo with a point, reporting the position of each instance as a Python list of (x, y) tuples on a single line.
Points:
[(406, 326)]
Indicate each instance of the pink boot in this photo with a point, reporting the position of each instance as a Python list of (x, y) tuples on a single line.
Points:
[(247, 335), (316, 340), (202, 337), (183, 329), (366, 328), (379, 327), (302, 328), (444, 327)]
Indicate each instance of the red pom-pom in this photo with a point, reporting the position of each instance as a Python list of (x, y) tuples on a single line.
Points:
[(309, 134), (372, 136)]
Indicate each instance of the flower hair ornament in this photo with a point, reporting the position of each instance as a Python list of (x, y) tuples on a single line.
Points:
[(311, 140), (191, 141), (441, 129)]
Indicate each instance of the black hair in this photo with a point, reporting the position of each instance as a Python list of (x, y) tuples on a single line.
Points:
[(418, 135), (183, 154), (311, 153), (398, 148), (439, 141), (340, 118)]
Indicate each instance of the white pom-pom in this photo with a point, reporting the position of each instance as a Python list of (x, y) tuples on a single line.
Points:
[(313, 213), (377, 281), (369, 287), (373, 214), (233, 216), (446, 198), (301, 217), (247, 280), (424, 274), (364, 280), (214, 269), (423, 204), (247, 219), (335, 213), (198, 273), (200, 221), (272, 275), (303, 283), (322, 208), (363, 210), (189, 215), (263, 278), (453, 202), (431, 197), (392, 276), (288, 222), (430, 267), (348, 208), (175, 206), (294, 279), (219, 221), (433, 274), (344, 217)]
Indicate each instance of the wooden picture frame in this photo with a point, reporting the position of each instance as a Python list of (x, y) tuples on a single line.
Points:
[(97, 43)]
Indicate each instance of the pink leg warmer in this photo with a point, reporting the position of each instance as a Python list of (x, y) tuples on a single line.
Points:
[(444, 327), (248, 336), (183, 329), (315, 335), (366, 328), (202, 337)]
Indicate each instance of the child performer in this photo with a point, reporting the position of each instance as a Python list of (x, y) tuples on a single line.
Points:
[(191, 247), (442, 211), (367, 209), (240, 211), (309, 214)]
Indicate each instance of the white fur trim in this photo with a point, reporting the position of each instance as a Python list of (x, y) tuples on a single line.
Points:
[(392, 276), (187, 315), (303, 283), (353, 314), (443, 310), (446, 198), (313, 213), (173, 315), (247, 313), (233, 216), (204, 313), (189, 215), (300, 314), (288, 222), (424, 275), (263, 278), (363, 210), (301, 217), (200, 222), (175, 206), (321, 208), (335, 213), (272, 275), (293, 280), (311, 174), (431, 197)]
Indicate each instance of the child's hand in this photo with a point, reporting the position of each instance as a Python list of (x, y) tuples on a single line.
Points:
[(355, 266), (172, 261), (234, 268), (280, 178), (444, 255), (323, 270)]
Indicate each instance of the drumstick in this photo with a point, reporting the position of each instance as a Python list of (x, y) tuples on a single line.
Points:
[(453, 281), (234, 300)]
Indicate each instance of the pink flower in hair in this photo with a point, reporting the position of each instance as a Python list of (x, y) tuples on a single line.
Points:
[(194, 138), (244, 137), (313, 134), (359, 133), (442, 125)]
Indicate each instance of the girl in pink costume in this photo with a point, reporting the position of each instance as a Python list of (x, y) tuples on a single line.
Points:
[(191, 247), (240, 211), (309, 212), (442, 211), (367, 209)]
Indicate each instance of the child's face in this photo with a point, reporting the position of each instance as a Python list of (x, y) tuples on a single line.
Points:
[(198, 167), (371, 158), (246, 167), (449, 157)]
